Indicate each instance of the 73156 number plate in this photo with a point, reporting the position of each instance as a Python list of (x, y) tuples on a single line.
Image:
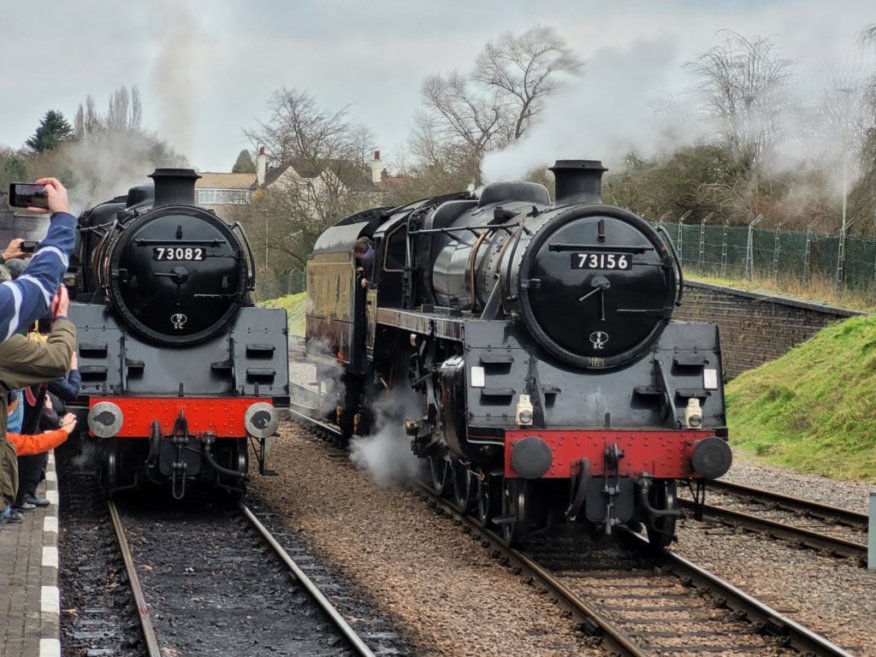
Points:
[(175, 253), (602, 260)]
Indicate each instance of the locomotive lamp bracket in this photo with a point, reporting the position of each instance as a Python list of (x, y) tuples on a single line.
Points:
[(523, 413), (693, 414)]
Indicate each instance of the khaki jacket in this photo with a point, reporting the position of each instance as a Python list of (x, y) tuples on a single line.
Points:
[(24, 362)]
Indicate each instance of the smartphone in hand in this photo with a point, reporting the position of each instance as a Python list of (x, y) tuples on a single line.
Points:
[(28, 195)]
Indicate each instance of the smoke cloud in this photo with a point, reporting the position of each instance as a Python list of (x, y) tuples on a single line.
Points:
[(106, 165), (618, 105), (182, 55), (386, 455)]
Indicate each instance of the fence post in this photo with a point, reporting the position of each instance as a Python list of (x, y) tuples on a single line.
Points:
[(807, 253), (680, 239), (777, 247), (703, 240), (841, 254), (749, 251), (724, 250)]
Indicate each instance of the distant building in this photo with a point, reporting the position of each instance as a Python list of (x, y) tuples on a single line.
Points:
[(220, 191)]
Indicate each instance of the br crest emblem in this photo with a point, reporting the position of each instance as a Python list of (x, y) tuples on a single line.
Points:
[(598, 339)]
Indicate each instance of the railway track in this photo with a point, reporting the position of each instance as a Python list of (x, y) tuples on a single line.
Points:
[(637, 602), (803, 523), (207, 578)]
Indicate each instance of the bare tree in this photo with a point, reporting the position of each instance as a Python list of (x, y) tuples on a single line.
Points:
[(525, 68), (326, 156), (744, 85), (458, 113), (117, 111), (124, 114), (299, 128), (846, 115), (495, 104)]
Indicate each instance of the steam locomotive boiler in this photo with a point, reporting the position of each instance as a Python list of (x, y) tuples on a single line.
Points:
[(551, 383), (178, 369)]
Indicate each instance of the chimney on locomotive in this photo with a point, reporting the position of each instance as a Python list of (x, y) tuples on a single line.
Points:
[(578, 181), (174, 186)]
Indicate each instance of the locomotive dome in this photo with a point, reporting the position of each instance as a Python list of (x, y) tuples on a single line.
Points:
[(177, 273), (597, 285)]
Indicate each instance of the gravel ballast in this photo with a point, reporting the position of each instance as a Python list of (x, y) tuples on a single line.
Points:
[(835, 598), (449, 597)]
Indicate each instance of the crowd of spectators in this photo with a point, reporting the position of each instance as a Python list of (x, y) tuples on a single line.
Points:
[(38, 368)]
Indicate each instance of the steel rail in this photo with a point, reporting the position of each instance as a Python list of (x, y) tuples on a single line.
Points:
[(824, 511), (142, 608), (621, 643), (795, 635), (798, 637), (798, 535), (336, 617), (592, 620)]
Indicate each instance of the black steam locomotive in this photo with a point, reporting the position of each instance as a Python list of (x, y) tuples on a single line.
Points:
[(178, 369), (551, 383)]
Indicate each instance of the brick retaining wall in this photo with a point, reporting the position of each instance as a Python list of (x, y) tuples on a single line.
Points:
[(755, 328)]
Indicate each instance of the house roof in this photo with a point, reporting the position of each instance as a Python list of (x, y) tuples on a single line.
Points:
[(355, 178), (211, 180)]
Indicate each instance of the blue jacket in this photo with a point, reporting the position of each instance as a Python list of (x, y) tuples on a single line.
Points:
[(27, 298)]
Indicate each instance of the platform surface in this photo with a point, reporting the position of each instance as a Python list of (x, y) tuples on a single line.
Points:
[(29, 597)]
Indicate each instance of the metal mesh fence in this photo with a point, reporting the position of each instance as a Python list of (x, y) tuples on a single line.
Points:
[(737, 252), (278, 285)]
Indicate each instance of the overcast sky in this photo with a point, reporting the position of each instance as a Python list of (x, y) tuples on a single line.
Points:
[(205, 70)]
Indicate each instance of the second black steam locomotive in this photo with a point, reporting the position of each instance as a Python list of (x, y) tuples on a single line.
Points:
[(550, 383), (178, 369)]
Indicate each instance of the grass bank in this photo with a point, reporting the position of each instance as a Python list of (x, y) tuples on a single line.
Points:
[(813, 409), (294, 305)]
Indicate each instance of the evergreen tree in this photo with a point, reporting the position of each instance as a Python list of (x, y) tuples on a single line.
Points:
[(52, 131), (244, 163)]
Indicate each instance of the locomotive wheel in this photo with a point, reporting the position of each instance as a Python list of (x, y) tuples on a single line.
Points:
[(488, 499), (514, 510), (439, 469), (241, 451), (662, 497), (462, 486), (108, 465)]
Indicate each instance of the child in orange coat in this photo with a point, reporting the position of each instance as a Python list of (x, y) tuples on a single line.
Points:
[(28, 444)]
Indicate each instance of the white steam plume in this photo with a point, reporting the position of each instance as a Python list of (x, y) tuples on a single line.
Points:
[(386, 455), (611, 110)]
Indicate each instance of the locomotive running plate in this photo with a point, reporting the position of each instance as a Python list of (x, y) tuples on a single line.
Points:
[(602, 260)]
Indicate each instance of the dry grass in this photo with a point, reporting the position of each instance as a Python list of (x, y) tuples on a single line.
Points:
[(822, 291)]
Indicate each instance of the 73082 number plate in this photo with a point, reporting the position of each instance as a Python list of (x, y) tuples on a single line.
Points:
[(602, 260), (176, 253)]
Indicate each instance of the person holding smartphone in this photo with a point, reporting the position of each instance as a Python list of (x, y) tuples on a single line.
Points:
[(26, 299), (13, 251)]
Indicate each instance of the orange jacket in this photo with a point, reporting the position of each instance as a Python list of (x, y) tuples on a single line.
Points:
[(30, 444)]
